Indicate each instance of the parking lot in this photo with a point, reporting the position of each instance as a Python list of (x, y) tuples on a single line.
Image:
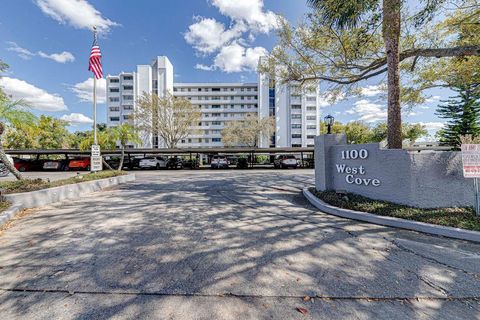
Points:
[(226, 244)]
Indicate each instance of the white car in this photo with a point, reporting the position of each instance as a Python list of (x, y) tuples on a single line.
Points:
[(219, 162), (285, 161), (152, 163)]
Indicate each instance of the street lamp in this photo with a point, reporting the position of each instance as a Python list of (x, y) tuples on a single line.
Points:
[(329, 122)]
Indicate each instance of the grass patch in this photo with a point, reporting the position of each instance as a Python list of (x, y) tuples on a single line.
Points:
[(464, 218), (28, 185), (4, 205)]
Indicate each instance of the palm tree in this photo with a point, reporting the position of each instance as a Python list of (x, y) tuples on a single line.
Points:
[(12, 112), (124, 133), (349, 13)]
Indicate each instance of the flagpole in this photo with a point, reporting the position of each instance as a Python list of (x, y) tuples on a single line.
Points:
[(94, 100), (94, 110)]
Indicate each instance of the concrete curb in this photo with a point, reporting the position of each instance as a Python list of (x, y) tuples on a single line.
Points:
[(43, 197), (449, 232)]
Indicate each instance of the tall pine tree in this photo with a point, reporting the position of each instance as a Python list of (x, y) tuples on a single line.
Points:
[(463, 114)]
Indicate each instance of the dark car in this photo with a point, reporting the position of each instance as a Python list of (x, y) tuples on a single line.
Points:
[(174, 163), (242, 163), (191, 164), (23, 165)]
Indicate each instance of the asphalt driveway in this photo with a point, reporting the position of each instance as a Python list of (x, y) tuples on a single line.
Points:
[(226, 245)]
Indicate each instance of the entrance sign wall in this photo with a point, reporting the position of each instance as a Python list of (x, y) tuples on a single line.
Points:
[(426, 179)]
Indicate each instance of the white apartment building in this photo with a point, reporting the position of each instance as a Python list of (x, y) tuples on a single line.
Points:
[(296, 110)]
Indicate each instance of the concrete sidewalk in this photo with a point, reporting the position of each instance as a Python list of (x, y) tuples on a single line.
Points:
[(226, 245)]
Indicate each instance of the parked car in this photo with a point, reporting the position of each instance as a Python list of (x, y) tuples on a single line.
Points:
[(242, 163), (219, 162), (79, 164), (285, 161), (23, 165), (191, 164), (153, 163), (61, 165), (174, 163)]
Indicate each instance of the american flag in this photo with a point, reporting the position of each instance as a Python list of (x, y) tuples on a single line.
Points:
[(94, 63)]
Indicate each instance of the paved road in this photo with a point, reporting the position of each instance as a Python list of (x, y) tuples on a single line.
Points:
[(226, 245)]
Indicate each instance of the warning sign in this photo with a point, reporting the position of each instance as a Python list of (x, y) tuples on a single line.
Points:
[(471, 160)]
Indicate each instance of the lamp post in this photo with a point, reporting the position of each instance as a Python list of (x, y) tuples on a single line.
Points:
[(329, 122)]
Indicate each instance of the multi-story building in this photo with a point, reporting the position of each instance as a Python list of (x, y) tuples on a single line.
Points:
[(296, 110)]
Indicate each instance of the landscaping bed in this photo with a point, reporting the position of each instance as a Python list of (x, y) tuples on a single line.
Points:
[(28, 185), (464, 218)]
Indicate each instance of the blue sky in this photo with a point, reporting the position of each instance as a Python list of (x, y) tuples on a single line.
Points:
[(47, 43)]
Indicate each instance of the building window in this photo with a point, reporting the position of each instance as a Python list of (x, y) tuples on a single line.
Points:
[(114, 119), (215, 106), (216, 123), (295, 145), (215, 89), (127, 77), (310, 136), (114, 99), (216, 139), (126, 117), (296, 136), (311, 118), (114, 90), (114, 80), (296, 116), (311, 98), (127, 107), (310, 108), (296, 107), (114, 108), (311, 126), (215, 114), (127, 97), (127, 87), (296, 126)]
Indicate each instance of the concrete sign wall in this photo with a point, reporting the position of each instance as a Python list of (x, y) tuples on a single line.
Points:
[(427, 179)]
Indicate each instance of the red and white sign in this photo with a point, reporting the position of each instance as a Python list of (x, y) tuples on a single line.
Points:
[(471, 160)]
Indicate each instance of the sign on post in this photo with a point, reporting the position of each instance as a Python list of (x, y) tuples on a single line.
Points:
[(471, 168), (95, 159)]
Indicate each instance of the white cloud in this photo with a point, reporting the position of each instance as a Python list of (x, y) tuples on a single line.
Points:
[(63, 57), (22, 52), (231, 44), (433, 125), (35, 97), (84, 90), (249, 11), (329, 98), (368, 111), (76, 118), (209, 35), (372, 90), (26, 54), (203, 67), (236, 58), (78, 13), (432, 99)]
